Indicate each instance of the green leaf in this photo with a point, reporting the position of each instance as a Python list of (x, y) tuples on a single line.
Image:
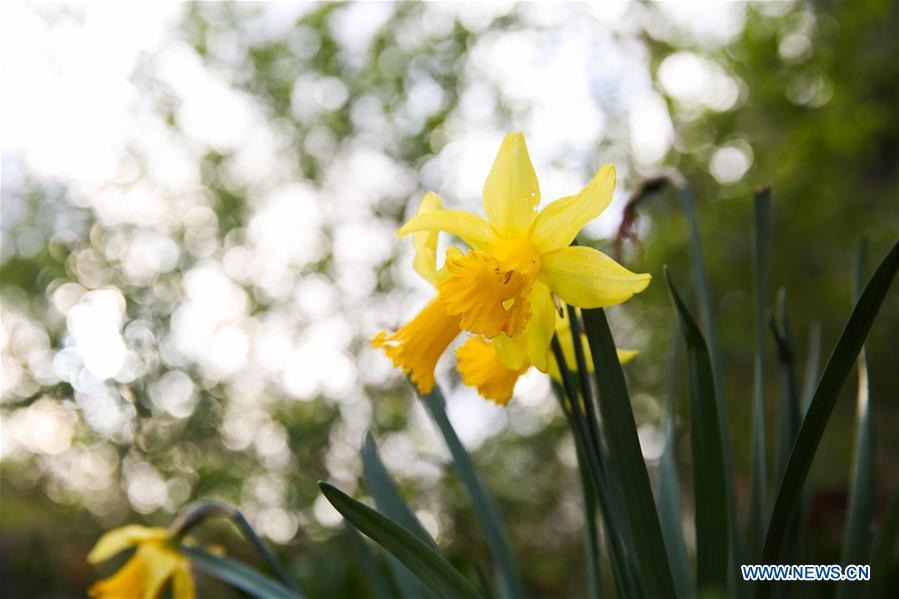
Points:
[(386, 496), (789, 391), (709, 487), (620, 432), (426, 563), (812, 366), (484, 508), (596, 466), (237, 575), (706, 304), (835, 373), (198, 511), (591, 539), (809, 382), (886, 545), (369, 563), (668, 487), (591, 468), (758, 497), (863, 488), (391, 504)]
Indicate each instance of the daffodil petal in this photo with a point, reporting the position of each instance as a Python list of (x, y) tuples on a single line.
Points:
[(538, 333), (425, 242), (470, 228), (122, 538), (510, 353), (587, 278), (511, 192), (183, 583), (480, 367), (626, 355), (558, 224), (159, 564), (128, 581)]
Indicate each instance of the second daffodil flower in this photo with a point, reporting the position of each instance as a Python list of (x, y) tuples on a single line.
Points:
[(502, 287), (155, 561)]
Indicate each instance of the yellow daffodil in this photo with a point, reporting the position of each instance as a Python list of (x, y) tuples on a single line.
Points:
[(416, 347), (155, 561), (480, 364), (502, 287)]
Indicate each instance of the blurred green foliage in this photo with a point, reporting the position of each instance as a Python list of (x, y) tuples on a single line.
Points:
[(817, 106)]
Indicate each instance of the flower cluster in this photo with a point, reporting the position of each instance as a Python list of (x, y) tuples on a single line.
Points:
[(505, 290)]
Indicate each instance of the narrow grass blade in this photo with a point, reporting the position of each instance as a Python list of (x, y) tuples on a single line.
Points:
[(668, 486), (590, 466), (812, 366), (484, 508), (835, 373), (709, 487), (863, 488), (392, 505), (238, 575), (707, 315), (885, 554), (620, 431), (591, 540), (758, 498), (199, 510), (788, 421), (369, 564), (603, 475), (588, 417), (386, 496), (483, 582), (809, 382), (788, 412), (426, 563)]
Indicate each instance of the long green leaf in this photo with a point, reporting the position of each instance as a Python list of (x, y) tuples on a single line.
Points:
[(706, 304), (199, 510), (426, 563), (886, 546), (484, 508), (620, 431), (862, 491), (788, 410), (668, 487), (812, 366), (758, 498), (809, 382), (788, 420), (392, 505), (369, 563), (386, 496), (589, 464), (238, 575), (591, 539), (588, 417), (709, 486), (603, 474), (585, 427), (835, 373)]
